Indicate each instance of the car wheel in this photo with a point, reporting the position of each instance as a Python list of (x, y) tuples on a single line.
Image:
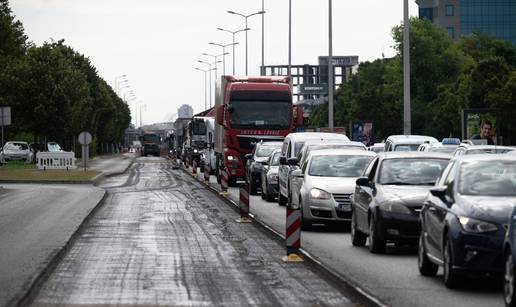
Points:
[(358, 238), (305, 225), (509, 290), (252, 187), (282, 201), (376, 246), (268, 196), (263, 194), (426, 267), (451, 277)]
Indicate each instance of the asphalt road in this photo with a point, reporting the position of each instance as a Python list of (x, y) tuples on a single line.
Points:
[(36, 222), (393, 278), (161, 238)]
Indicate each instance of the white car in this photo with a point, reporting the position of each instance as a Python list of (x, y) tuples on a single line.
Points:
[(16, 151), (407, 142), (324, 183), (292, 145)]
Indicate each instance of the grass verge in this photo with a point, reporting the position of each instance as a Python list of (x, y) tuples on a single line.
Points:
[(19, 171)]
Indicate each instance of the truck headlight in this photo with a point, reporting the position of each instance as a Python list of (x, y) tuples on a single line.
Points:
[(319, 194), (232, 158), (473, 225), (394, 207)]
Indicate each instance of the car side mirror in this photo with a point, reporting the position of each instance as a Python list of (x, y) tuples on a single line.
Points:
[(439, 192), (297, 173), (283, 160), (249, 156), (363, 182), (292, 161)]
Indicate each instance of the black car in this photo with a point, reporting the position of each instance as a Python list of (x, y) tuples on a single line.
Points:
[(465, 217), (389, 197), (255, 161)]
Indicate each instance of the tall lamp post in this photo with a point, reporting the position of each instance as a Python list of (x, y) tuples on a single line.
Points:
[(224, 54), (289, 69), (216, 61), (209, 69), (205, 71), (145, 109), (407, 124), (246, 17), (330, 68), (234, 43), (262, 69)]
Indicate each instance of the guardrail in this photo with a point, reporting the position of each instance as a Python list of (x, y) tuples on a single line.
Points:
[(56, 160)]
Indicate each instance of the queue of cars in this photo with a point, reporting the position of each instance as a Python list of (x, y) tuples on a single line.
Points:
[(23, 151), (452, 200)]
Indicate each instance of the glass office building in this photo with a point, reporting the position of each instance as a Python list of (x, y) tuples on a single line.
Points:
[(462, 17)]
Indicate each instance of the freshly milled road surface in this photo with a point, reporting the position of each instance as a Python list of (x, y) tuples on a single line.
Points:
[(161, 238)]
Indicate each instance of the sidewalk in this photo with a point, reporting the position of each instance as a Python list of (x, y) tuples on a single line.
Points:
[(38, 220)]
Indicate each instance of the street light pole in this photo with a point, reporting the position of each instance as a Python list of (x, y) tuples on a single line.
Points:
[(205, 87), (330, 68), (234, 43), (262, 69), (224, 54), (246, 17), (210, 69), (289, 69), (215, 57), (406, 71), (116, 83)]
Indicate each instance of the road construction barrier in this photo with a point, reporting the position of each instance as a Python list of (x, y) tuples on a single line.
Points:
[(244, 204), (207, 172), (293, 237), (224, 182), (194, 168), (56, 160)]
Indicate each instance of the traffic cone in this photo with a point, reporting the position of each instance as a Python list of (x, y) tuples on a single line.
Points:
[(293, 238), (244, 204)]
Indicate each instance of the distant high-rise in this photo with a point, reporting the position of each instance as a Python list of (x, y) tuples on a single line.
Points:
[(462, 17), (185, 111)]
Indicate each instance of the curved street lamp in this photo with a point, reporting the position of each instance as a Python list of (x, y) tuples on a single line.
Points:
[(233, 33), (246, 17), (224, 54)]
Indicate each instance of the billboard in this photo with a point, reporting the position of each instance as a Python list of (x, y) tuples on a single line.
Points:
[(472, 119), (362, 132)]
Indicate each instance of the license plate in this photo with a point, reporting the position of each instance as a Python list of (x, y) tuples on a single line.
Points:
[(344, 208)]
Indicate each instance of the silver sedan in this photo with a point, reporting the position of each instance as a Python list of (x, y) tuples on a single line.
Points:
[(322, 186)]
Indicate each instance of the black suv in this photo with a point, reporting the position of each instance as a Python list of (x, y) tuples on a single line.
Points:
[(255, 161)]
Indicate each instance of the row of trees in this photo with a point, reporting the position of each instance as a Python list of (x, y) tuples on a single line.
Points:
[(476, 72), (54, 92)]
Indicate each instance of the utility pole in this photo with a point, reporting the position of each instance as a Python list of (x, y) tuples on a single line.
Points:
[(330, 69), (407, 124)]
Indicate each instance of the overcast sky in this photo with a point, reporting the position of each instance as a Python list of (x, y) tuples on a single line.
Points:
[(157, 43)]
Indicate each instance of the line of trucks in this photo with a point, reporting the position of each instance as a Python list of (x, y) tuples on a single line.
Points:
[(247, 110)]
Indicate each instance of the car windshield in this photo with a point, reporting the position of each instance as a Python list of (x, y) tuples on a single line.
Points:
[(490, 178), (151, 138), (488, 151), (53, 147), (261, 114), (406, 147), (199, 128), (338, 166), (266, 151), (16, 146), (275, 159), (411, 171), (444, 149)]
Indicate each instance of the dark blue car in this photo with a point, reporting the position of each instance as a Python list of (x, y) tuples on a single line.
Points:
[(509, 286), (465, 217)]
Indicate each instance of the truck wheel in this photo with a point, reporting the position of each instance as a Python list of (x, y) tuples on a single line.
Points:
[(282, 200)]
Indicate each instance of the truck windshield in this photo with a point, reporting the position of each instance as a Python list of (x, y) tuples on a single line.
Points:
[(259, 114), (199, 128), (151, 138)]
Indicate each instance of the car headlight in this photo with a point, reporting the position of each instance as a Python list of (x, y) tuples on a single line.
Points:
[(195, 150), (394, 207), (232, 158), (319, 194), (472, 225)]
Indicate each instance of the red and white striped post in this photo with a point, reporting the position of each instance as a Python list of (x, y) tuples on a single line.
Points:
[(206, 173), (194, 168), (224, 183), (293, 235), (244, 204)]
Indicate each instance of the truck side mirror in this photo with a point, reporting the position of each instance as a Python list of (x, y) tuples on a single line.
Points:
[(283, 160), (220, 115)]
